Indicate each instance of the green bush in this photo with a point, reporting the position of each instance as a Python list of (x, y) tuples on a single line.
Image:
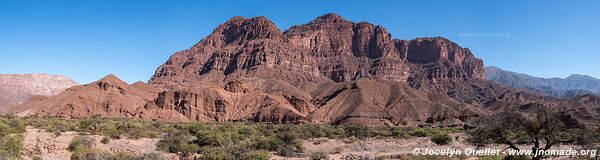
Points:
[(360, 132), (212, 138), (152, 156), (441, 138), (217, 153), (17, 125), (81, 142), (399, 133), (269, 143), (319, 155), (286, 151), (11, 146), (255, 155), (82, 153), (189, 149), (420, 132), (124, 155), (5, 130), (174, 142)]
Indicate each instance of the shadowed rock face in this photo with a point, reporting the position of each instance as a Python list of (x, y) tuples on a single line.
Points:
[(326, 49), (329, 70)]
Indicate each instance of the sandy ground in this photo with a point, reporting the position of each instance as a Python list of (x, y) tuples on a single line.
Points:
[(55, 147), (395, 148)]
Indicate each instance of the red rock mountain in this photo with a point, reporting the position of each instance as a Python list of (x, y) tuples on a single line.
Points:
[(329, 70)]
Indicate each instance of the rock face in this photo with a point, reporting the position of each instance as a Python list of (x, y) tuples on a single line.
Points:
[(329, 70), (18, 88), (107, 97), (572, 86), (326, 49)]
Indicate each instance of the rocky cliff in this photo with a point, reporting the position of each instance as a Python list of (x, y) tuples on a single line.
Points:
[(328, 48)]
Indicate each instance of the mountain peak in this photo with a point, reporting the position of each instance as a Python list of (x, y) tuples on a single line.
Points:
[(240, 29), (330, 18), (111, 80), (580, 77)]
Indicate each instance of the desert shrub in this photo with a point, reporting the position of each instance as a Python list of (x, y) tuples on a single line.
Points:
[(81, 142), (360, 132), (399, 133), (319, 155), (335, 132), (36, 158), (151, 156), (91, 125), (190, 148), (211, 138), (17, 125), (269, 143), (247, 130), (349, 140), (420, 132), (53, 125), (136, 129), (216, 153), (174, 141), (58, 126), (105, 140), (10, 125), (313, 131), (320, 141), (286, 151), (441, 138), (381, 132), (124, 156), (255, 155), (5, 130), (11, 146), (290, 141), (82, 153), (112, 131)]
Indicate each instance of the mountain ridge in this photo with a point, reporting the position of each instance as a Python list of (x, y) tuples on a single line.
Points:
[(18, 88), (571, 86)]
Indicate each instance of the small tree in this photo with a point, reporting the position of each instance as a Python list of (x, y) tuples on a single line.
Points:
[(540, 126)]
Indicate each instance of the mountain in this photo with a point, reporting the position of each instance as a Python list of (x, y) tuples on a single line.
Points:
[(18, 88), (329, 70), (572, 86)]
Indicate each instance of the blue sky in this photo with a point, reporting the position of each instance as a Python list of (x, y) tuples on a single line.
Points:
[(87, 40)]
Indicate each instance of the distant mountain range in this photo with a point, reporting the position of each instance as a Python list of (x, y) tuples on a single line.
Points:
[(572, 86), (18, 88)]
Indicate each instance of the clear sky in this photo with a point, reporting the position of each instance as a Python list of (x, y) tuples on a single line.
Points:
[(86, 40)]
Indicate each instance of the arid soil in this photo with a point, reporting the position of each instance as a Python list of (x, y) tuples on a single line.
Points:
[(49, 146), (53, 147)]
